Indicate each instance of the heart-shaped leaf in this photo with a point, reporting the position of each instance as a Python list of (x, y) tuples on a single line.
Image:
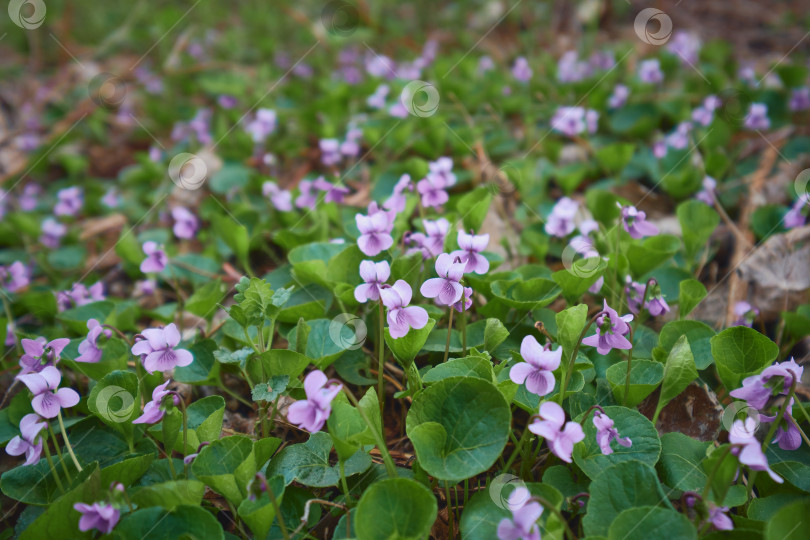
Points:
[(396, 508)]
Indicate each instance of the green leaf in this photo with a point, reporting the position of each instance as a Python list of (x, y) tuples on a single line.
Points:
[(725, 473), (234, 234), (217, 465), (582, 275), (651, 253), (260, 513), (75, 319), (634, 119), (691, 293), (60, 518), (406, 348), (256, 299), (473, 207), (277, 362), (398, 508), (320, 347), (230, 177), (570, 323), (645, 376), (740, 352), (180, 522), (203, 368), (474, 365), (308, 463), (526, 294), (647, 522), (630, 423), (699, 335), (168, 495), (698, 222), (204, 423), (115, 400), (790, 523), (615, 157), (619, 487), (680, 464), (238, 357), (270, 390), (495, 333), (205, 299), (346, 425), (458, 426), (485, 510), (679, 371)]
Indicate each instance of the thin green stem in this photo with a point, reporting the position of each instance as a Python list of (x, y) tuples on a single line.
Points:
[(53, 469), (67, 441), (547, 505), (59, 453), (463, 325), (801, 431), (381, 361), (713, 474), (343, 484), (389, 462), (280, 518), (569, 370), (518, 449), (627, 375), (449, 333)]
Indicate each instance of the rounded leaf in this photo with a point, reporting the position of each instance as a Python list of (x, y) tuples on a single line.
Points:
[(395, 508)]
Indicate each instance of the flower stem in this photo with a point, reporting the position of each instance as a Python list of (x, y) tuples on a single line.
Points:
[(381, 362), (517, 450), (344, 485), (627, 375), (53, 469), (185, 434), (547, 504), (449, 333), (58, 453), (389, 463), (570, 368), (281, 524), (463, 324), (712, 474), (67, 442)]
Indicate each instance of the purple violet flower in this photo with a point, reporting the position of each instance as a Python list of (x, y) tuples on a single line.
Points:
[(706, 195), (375, 232), (185, 223), (307, 198), (48, 398), (537, 370), (377, 99), (69, 202), (560, 222), (787, 432), (262, 126), (28, 442), (610, 331), (156, 259), (525, 513), (718, 517), (281, 199), (374, 274), (746, 313), (467, 299), (402, 317), (521, 70), (649, 71), (39, 353), (156, 347), (152, 412), (99, 515), (757, 117), (606, 433), (433, 192), (88, 349), (397, 201), (619, 96), (330, 151), (758, 389), (749, 451), (14, 277), (635, 223), (334, 193), (470, 252), (446, 288), (800, 99), (311, 414), (549, 425)]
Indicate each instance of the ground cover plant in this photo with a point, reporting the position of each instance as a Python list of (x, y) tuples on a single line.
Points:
[(403, 271)]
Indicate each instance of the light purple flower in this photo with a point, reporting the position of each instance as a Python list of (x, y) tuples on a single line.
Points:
[(334, 193), (88, 348), (758, 389), (69, 201), (718, 517), (156, 347), (111, 198), (14, 277), (619, 96), (800, 99), (441, 171), (402, 317), (375, 232), (757, 117), (433, 192), (560, 222), (537, 369), (525, 513), (152, 412), (397, 201), (10, 338), (307, 198), (467, 299), (155, 155), (375, 274), (144, 287), (227, 102), (28, 442), (686, 46), (635, 223), (570, 121), (156, 259), (446, 288), (787, 433), (48, 398), (79, 295), (330, 151), (311, 414), (794, 217), (571, 69), (185, 223), (605, 433), (706, 195), (521, 70), (485, 63), (398, 110), (29, 198), (610, 331), (262, 126), (749, 451), (99, 515), (351, 145), (634, 292), (39, 353), (603, 60), (470, 252), (746, 313), (561, 440), (649, 71), (377, 99), (281, 199)]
